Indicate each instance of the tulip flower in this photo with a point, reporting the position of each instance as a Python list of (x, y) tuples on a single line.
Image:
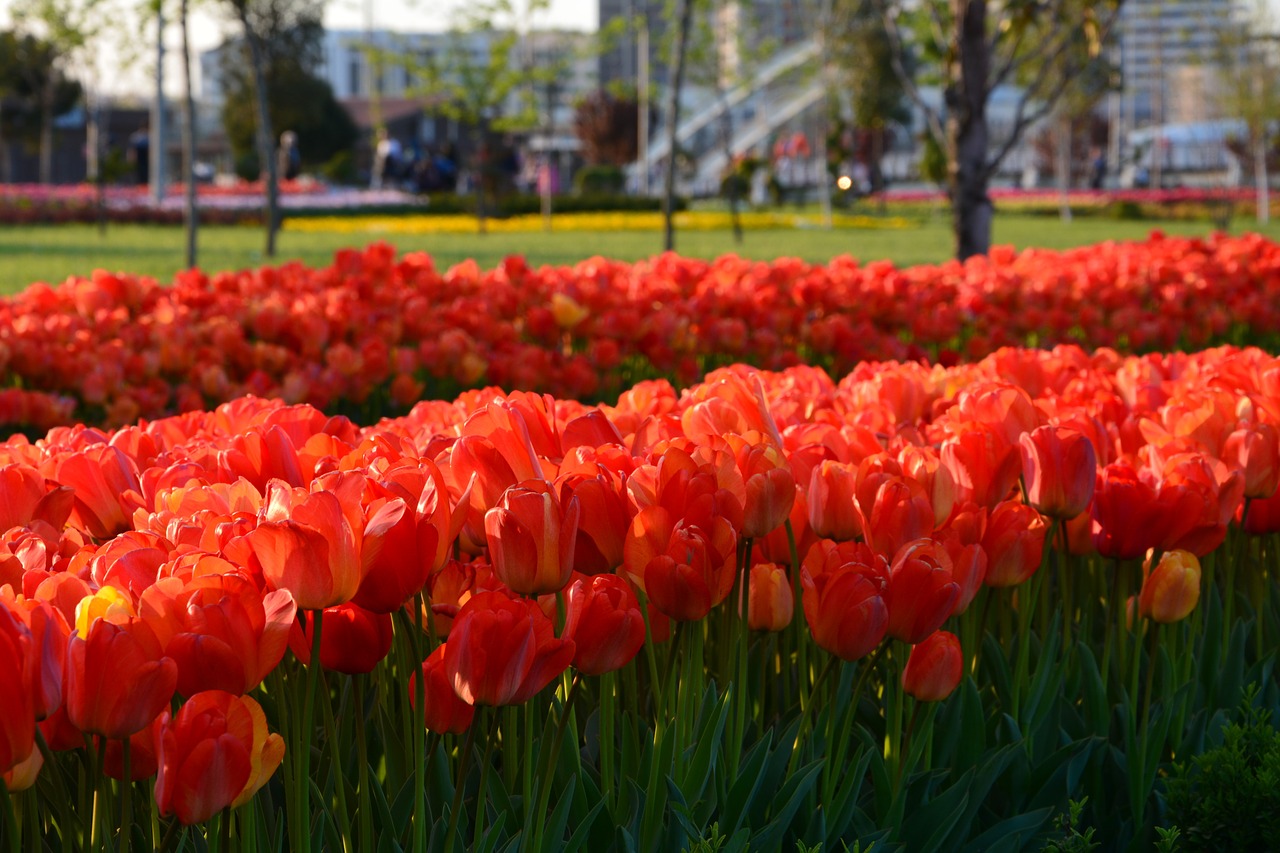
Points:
[(117, 680), (845, 607), (23, 774), (442, 711), (684, 569), (1255, 450), (934, 667), (604, 620), (770, 604), (833, 514), (17, 713), (353, 641), (308, 545), (214, 753), (922, 592), (1014, 542), (602, 522), (1059, 468), (1171, 590), (502, 651), (531, 538), (221, 630)]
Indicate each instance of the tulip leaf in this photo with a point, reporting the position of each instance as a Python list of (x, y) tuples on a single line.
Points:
[(553, 837), (996, 663), (583, 831), (842, 807), (488, 842), (402, 806), (737, 805), (1012, 834), (785, 805), (972, 734), (1097, 710), (707, 745), (1046, 670)]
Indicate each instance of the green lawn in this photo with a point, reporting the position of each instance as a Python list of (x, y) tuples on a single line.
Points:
[(52, 253)]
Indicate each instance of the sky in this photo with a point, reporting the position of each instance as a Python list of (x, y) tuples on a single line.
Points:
[(125, 67)]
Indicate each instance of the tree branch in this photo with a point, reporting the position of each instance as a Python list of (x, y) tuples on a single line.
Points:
[(896, 53)]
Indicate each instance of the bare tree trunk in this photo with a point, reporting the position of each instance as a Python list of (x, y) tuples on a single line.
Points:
[(1063, 167), (265, 134), (967, 132), (93, 161), (190, 213), (1260, 179), (47, 94), (726, 144), (684, 18)]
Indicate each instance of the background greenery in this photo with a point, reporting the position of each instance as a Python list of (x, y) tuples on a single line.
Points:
[(52, 253)]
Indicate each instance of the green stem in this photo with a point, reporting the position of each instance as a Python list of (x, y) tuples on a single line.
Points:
[(482, 795), (608, 708), (10, 820), (364, 816), (805, 714), (1025, 608), (798, 632), (335, 756), (303, 779), (548, 773), (126, 798), (464, 764), (99, 781), (419, 734)]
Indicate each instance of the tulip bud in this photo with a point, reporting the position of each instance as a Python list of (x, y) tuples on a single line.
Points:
[(1172, 589), (832, 511), (442, 711), (770, 605), (1059, 467), (934, 667), (531, 538)]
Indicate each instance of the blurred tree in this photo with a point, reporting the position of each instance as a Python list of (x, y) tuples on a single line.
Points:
[(1248, 67), (867, 85), (977, 46), (481, 81), (63, 29), (282, 42), (682, 19), (607, 125), (28, 72)]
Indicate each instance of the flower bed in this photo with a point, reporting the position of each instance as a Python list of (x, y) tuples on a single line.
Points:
[(906, 607), (372, 334)]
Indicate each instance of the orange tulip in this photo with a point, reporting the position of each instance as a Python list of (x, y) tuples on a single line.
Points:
[(1255, 450), (683, 568), (770, 604), (1171, 590), (1059, 468), (531, 538), (934, 667), (602, 522)]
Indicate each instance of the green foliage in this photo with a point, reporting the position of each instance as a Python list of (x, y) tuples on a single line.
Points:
[(29, 74), (1228, 798), (1074, 840), (599, 181), (297, 99)]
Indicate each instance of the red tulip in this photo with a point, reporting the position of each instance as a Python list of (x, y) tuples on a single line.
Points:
[(117, 680), (352, 641), (845, 606), (770, 488), (308, 543), (1255, 450), (17, 713), (442, 711), (684, 569), (604, 619), (602, 522), (922, 592), (214, 753), (502, 651), (833, 514), (1060, 468), (220, 630), (934, 667), (1014, 543), (532, 537)]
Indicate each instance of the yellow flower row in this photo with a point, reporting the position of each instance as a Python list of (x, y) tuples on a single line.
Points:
[(700, 220)]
